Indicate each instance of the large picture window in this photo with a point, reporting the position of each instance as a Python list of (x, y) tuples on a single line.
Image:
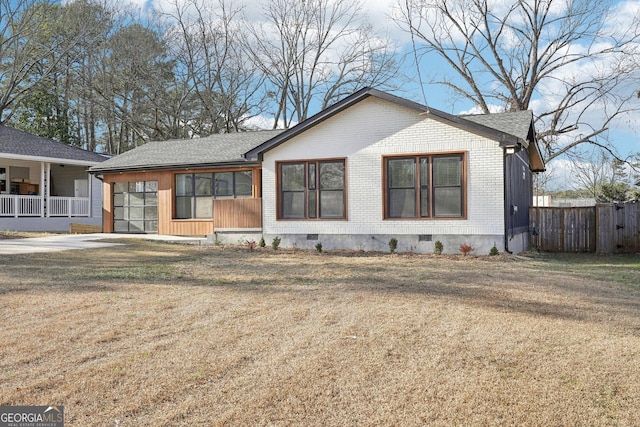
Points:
[(194, 192), (425, 186), (312, 190)]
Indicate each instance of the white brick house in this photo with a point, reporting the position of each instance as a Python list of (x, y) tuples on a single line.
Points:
[(370, 168), (370, 129)]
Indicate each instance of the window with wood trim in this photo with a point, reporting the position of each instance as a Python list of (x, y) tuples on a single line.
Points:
[(312, 190), (425, 186), (194, 192)]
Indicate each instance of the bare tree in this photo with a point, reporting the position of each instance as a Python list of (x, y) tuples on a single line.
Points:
[(592, 172), (27, 55), (206, 38), (574, 58), (605, 178), (314, 52)]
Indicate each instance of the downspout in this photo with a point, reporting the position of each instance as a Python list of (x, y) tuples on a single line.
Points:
[(507, 208)]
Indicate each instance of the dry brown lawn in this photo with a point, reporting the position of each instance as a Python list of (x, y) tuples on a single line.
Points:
[(154, 334)]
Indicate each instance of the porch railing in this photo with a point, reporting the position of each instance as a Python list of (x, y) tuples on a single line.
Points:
[(68, 206), (24, 206), (18, 206)]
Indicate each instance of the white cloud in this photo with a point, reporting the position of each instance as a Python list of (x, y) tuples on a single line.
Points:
[(493, 108), (262, 122)]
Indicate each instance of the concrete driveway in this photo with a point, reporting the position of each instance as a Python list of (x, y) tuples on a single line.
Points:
[(63, 242)]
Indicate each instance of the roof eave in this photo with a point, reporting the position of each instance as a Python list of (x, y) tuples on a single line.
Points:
[(56, 160), (165, 167)]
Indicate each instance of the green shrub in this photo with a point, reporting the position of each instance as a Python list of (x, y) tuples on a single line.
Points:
[(494, 251), (393, 244), (319, 247), (262, 243), (438, 247), (275, 244)]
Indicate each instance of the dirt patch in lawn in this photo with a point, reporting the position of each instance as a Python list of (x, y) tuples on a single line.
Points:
[(161, 334)]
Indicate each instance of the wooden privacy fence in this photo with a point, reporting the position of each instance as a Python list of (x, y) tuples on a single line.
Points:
[(605, 228)]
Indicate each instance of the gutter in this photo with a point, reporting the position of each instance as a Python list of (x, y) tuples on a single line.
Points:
[(55, 160), (149, 168)]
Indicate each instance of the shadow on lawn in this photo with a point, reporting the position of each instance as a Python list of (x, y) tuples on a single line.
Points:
[(547, 286)]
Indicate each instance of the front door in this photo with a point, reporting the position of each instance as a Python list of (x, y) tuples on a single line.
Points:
[(135, 207)]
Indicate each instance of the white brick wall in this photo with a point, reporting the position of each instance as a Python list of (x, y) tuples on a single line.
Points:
[(363, 134)]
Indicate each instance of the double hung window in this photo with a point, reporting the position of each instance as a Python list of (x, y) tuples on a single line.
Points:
[(312, 190), (425, 186)]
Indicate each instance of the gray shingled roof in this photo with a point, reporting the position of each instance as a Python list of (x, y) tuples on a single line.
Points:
[(18, 143), (516, 123), (218, 149)]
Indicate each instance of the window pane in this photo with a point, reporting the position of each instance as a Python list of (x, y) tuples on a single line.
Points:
[(136, 199), (120, 187), (203, 184), (292, 177), (244, 183), (183, 207), (312, 176), (151, 226), (136, 186), (402, 203), (119, 199), (120, 213), (120, 226), (332, 204), (136, 226), (151, 199), (204, 207), (424, 172), (332, 176), (447, 171), (424, 203), (184, 185), (150, 212), (223, 183), (293, 204), (312, 205), (151, 186), (401, 173), (447, 201), (136, 213)]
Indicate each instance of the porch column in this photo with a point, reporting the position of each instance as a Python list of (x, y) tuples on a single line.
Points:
[(42, 182), (90, 193), (46, 188)]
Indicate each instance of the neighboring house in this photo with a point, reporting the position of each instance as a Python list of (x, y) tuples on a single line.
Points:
[(45, 185), (370, 168)]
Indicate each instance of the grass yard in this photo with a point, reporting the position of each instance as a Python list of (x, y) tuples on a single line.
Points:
[(154, 334)]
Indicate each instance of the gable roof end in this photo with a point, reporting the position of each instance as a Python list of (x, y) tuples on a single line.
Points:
[(516, 130)]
